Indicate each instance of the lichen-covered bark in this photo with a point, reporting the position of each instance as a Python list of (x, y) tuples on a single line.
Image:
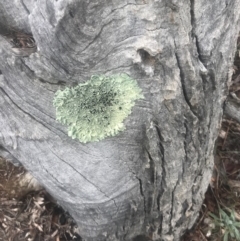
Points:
[(151, 178)]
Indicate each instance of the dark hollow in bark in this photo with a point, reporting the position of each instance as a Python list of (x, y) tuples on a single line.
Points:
[(151, 178)]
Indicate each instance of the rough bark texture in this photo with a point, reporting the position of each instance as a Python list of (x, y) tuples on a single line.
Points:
[(151, 178)]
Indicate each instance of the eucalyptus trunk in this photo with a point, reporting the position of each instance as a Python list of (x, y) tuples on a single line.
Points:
[(150, 178)]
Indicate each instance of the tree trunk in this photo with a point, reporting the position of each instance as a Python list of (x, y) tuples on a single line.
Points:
[(149, 179)]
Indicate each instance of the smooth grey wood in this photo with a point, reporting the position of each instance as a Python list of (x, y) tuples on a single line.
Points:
[(150, 179)]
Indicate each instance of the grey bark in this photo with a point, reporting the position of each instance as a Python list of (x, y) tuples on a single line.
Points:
[(150, 179)]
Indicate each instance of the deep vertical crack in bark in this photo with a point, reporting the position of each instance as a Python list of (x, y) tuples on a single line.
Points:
[(182, 79), (172, 206), (193, 32), (163, 181), (141, 191), (185, 145), (192, 2), (161, 147), (142, 194)]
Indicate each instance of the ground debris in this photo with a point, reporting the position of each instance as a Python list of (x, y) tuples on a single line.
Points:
[(27, 214)]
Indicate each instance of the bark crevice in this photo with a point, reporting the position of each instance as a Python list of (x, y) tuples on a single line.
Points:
[(184, 89)]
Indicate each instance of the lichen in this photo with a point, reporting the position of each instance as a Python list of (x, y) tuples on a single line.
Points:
[(97, 108)]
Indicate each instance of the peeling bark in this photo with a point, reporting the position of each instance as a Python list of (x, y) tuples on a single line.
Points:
[(150, 179)]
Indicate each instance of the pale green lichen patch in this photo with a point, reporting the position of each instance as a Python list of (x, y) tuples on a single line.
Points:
[(97, 108)]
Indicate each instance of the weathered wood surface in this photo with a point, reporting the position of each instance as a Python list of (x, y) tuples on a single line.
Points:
[(151, 178)]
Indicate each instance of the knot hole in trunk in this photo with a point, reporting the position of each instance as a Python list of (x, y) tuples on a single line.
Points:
[(147, 62)]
